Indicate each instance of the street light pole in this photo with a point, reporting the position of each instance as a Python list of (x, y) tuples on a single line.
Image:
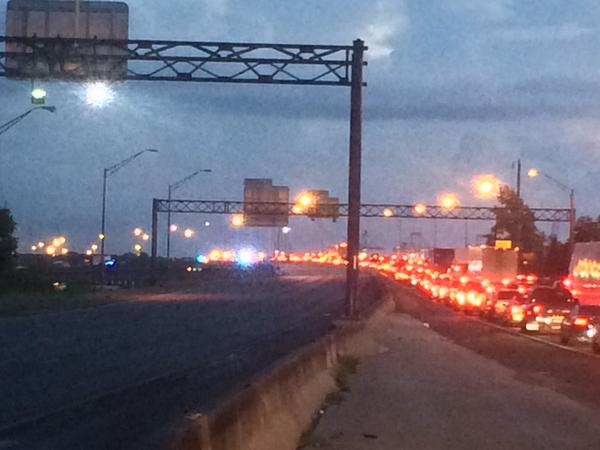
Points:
[(174, 187), (103, 227), (108, 171), (11, 123), (572, 211)]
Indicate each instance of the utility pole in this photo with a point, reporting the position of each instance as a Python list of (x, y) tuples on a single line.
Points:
[(519, 215), (572, 219), (519, 178)]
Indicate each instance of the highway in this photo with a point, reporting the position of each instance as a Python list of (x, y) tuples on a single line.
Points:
[(121, 376)]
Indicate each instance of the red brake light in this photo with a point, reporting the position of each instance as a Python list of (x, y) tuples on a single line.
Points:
[(581, 322)]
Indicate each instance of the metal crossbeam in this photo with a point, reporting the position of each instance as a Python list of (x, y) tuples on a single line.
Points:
[(84, 59), (367, 210)]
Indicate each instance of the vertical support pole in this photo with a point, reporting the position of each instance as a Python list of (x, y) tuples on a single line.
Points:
[(520, 217), (354, 178), (154, 230), (169, 225), (519, 178), (77, 10), (572, 220)]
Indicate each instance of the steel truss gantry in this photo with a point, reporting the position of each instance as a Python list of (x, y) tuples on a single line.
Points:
[(387, 211), (218, 62)]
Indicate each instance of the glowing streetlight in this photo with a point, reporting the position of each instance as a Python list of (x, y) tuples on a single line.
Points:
[(88, 252), (38, 96), (62, 240), (56, 242), (297, 209), (94, 247), (101, 236), (306, 200), (34, 248), (387, 212), (40, 244), (188, 233), (173, 228), (532, 173), (145, 237), (137, 231), (486, 186), (286, 230), (50, 250), (98, 95), (448, 201), (64, 251), (207, 224), (237, 220), (137, 248), (420, 208)]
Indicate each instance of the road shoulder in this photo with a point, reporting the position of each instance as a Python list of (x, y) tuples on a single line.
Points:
[(416, 389)]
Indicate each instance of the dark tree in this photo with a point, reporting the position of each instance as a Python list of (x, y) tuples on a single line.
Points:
[(587, 229), (515, 221), (557, 256), (8, 243)]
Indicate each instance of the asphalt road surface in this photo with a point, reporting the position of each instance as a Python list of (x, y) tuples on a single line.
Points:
[(121, 376)]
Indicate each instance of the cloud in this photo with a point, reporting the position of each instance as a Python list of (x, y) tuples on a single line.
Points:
[(563, 32), (452, 102), (216, 7), (388, 25), (485, 10)]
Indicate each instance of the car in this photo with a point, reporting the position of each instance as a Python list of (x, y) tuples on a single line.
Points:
[(582, 325), (471, 298), (507, 307), (546, 310)]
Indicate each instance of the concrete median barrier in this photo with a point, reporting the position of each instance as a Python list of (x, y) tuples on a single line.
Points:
[(274, 411)]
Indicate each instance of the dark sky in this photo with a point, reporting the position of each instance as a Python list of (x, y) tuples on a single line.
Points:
[(456, 88)]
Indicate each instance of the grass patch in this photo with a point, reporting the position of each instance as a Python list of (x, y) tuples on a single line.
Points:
[(346, 366), (14, 302)]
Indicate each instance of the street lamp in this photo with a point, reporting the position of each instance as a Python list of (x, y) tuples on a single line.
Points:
[(486, 186), (11, 123), (420, 209), (448, 201), (173, 187), (108, 171), (533, 173), (237, 220)]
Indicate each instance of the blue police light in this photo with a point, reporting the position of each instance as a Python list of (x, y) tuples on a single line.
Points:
[(110, 262), (245, 257)]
